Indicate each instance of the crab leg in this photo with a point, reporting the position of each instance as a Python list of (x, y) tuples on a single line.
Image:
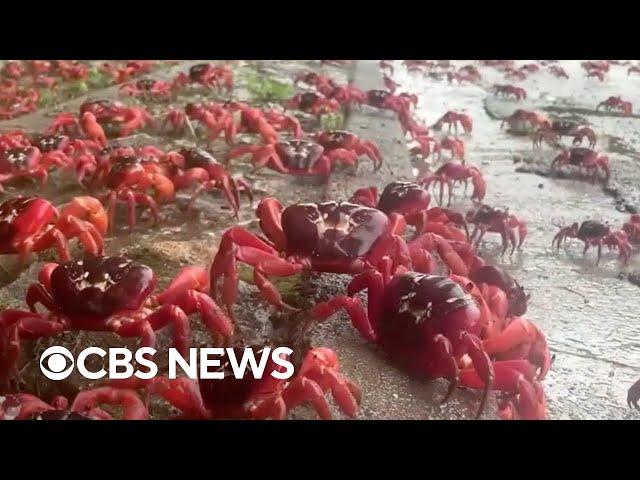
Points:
[(134, 408)]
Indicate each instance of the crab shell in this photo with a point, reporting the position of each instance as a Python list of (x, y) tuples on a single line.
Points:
[(198, 158), (100, 287), (123, 167), (308, 100), (19, 159), (332, 232), (416, 307), (405, 198), (377, 98), (22, 217), (336, 139), (228, 397), (48, 143), (592, 229), (496, 276), (299, 154)]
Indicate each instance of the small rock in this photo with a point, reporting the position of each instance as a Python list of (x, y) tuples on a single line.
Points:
[(541, 185)]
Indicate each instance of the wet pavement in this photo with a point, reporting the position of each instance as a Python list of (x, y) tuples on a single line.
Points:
[(588, 314)]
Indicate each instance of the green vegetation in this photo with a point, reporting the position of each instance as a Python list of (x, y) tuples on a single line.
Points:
[(264, 89), (331, 121)]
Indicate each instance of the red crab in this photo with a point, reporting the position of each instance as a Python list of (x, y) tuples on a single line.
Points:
[(560, 128), (617, 105), (462, 77), (86, 406), (148, 89), (14, 139), (335, 237), (430, 326), (340, 139), (110, 294), (323, 84), (208, 75), (200, 167), (450, 173), (114, 118), (454, 145), (312, 102), (490, 219), (557, 71), (596, 234), (530, 68), (400, 104), (504, 295), (267, 123), (632, 227), (506, 90), (411, 126), (128, 179), (452, 119), (347, 95), (514, 74), (296, 157), (599, 74), (32, 224), (426, 144), (412, 202), (584, 158), (263, 398), (29, 162), (13, 69), (601, 65), (520, 119)]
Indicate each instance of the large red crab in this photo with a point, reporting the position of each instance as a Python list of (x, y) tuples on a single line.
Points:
[(584, 158), (452, 118), (506, 90), (557, 71), (490, 219), (521, 119), (259, 398), (113, 119), (336, 237), (632, 227), (201, 168), (340, 139), (561, 128), (450, 173), (400, 104), (208, 75), (596, 234), (313, 103), (128, 178), (33, 224), (86, 406), (29, 162), (296, 157), (412, 202), (109, 294), (616, 104), (430, 326), (149, 89)]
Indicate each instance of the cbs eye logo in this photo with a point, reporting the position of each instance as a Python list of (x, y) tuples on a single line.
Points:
[(56, 363)]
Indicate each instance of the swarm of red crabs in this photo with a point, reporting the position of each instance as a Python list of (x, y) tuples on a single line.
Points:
[(433, 306)]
